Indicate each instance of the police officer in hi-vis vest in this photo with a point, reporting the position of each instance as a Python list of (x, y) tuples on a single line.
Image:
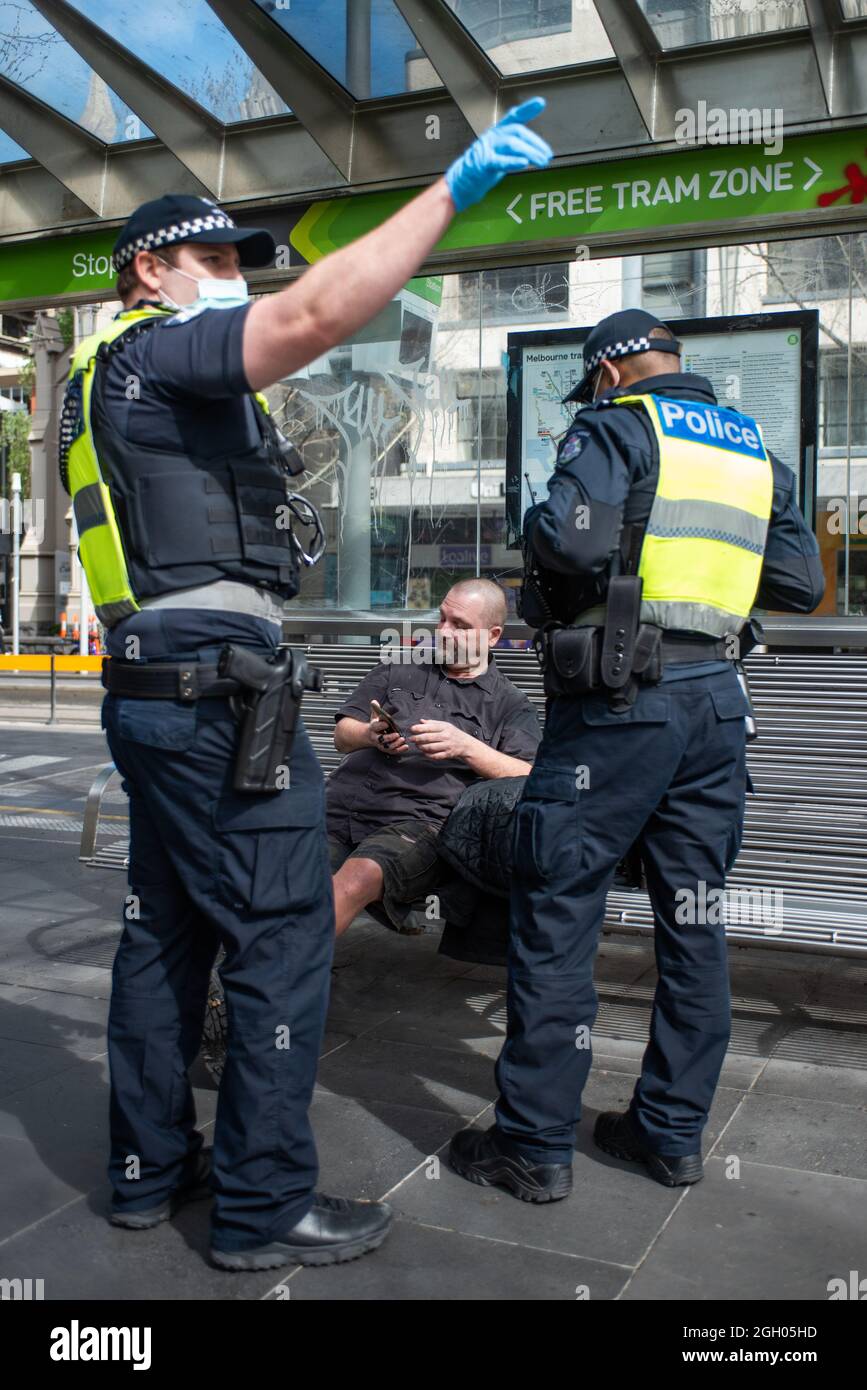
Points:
[(667, 520), (181, 489)]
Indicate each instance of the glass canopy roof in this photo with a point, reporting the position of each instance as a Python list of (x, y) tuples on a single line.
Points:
[(9, 151), (680, 22), (186, 43), (529, 35), (374, 53), (367, 46), (35, 57)]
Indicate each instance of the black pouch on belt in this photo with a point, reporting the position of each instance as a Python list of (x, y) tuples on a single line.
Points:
[(572, 660), (268, 712)]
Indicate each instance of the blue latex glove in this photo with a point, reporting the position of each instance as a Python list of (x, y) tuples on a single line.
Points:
[(506, 148)]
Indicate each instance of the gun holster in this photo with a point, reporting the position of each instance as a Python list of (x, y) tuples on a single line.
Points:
[(267, 711)]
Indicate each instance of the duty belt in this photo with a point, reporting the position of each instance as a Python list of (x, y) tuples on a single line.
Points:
[(166, 680), (582, 660), (265, 697), (674, 649)]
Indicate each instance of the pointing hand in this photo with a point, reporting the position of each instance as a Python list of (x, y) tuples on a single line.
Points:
[(506, 148)]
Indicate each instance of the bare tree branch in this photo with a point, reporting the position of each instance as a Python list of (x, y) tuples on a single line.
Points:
[(796, 298)]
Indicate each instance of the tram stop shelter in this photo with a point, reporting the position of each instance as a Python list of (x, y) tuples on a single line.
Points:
[(711, 166)]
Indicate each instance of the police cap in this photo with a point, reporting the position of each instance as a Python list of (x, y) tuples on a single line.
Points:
[(181, 217), (620, 335)]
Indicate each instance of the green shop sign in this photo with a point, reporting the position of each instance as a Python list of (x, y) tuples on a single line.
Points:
[(716, 183), (52, 267), (813, 174)]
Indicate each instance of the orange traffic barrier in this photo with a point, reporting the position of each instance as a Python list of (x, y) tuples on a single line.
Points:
[(63, 623), (41, 662), (76, 629)]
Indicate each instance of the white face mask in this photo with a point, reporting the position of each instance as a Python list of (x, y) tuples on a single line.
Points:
[(212, 294)]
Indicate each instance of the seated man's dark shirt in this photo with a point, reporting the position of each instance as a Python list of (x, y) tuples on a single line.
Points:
[(371, 788)]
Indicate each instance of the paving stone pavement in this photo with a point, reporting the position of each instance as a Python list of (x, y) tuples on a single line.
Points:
[(407, 1059)]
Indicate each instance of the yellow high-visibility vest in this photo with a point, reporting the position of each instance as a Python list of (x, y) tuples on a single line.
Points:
[(701, 559), (100, 543)]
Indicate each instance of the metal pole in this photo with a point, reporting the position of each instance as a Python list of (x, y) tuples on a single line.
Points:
[(354, 568), (53, 715), (354, 575), (358, 48), (85, 608), (479, 440), (16, 561), (3, 456)]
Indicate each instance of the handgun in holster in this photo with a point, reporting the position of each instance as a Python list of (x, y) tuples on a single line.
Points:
[(267, 711)]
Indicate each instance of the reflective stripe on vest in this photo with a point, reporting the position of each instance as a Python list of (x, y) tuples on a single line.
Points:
[(701, 560), (100, 546)]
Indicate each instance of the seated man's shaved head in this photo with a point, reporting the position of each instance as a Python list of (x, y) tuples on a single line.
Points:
[(472, 615), (487, 598)]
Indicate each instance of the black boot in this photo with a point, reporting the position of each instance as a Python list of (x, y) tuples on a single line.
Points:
[(614, 1133), (193, 1190), (335, 1229), (485, 1158)]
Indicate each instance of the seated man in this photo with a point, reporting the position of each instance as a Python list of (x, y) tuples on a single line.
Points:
[(459, 719)]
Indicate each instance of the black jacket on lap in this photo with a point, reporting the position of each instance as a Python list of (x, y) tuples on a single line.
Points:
[(477, 837)]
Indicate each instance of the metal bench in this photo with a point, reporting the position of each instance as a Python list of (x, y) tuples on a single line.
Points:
[(805, 839)]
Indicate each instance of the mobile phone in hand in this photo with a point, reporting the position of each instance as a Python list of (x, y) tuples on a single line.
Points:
[(377, 712)]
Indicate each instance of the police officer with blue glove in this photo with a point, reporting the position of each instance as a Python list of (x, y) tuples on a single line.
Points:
[(667, 519), (181, 491)]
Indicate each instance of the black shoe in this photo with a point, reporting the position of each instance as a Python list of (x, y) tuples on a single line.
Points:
[(335, 1229), (614, 1134), (481, 1157), (193, 1190)]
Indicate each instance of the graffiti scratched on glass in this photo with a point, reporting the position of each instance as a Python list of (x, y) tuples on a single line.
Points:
[(386, 410)]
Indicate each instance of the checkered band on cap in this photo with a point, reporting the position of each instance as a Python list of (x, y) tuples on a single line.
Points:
[(164, 236), (618, 350)]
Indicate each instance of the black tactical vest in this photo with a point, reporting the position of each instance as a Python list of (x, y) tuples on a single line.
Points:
[(186, 520)]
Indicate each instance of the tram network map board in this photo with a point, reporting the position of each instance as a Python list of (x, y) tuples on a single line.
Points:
[(762, 364)]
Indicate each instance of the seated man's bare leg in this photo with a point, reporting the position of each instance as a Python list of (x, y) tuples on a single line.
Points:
[(356, 883)]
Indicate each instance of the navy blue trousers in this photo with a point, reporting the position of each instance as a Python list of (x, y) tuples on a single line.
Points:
[(670, 774), (210, 866)]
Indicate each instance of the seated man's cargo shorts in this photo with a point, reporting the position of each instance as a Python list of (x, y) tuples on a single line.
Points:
[(406, 852)]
